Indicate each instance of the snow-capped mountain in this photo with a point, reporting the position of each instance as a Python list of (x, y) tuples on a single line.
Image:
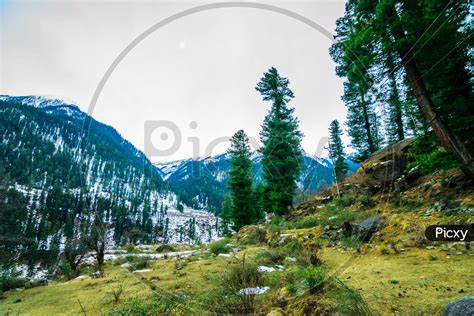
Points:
[(201, 182), (60, 169)]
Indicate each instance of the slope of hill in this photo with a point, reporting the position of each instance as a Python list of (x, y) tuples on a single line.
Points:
[(60, 169), (202, 182)]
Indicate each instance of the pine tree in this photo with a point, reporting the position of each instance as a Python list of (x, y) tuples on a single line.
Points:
[(226, 216), (281, 151), (336, 150), (240, 181)]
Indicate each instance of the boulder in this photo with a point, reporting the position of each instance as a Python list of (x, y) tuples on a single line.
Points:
[(461, 307), (35, 283), (366, 228)]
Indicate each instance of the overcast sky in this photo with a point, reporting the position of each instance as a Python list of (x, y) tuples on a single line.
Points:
[(201, 68)]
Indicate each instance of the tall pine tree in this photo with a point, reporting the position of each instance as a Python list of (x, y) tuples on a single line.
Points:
[(336, 150), (281, 138), (240, 181)]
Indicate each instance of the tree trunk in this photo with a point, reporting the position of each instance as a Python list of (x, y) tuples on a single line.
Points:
[(449, 141), (370, 139), (396, 104)]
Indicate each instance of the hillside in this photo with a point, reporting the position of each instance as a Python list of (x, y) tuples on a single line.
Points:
[(322, 259)]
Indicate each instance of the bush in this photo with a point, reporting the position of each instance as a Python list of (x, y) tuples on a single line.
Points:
[(345, 200), (241, 276), (117, 293), (428, 157), (66, 270), (252, 235), (314, 278), (292, 288), (364, 200), (129, 247), (293, 248), (219, 246), (269, 257)]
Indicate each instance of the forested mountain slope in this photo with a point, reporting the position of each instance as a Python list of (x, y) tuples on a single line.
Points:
[(60, 170)]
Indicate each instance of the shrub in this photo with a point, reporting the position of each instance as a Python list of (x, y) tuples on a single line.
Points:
[(428, 157), (314, 278), (252, 235), (293, 248), (129, 247), (277, 224), (345, 200), (219, 246), (117, 293), (66, 270), (241, 276), (268, 257), (364, 200), (292, 288)]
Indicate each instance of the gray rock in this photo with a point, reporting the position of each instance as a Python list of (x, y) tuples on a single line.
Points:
[(368, 227), (462, 307)]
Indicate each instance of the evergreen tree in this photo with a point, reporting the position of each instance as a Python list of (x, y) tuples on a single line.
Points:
[(281, 151), (336, 150), (240, 181), (226, 216)]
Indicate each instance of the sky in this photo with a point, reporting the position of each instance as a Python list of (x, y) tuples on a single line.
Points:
[(198, 72)]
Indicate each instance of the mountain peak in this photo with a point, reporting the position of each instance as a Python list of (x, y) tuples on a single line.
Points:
[(40, 101)]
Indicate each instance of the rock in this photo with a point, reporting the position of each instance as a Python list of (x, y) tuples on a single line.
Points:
[(324, 236), (265, 269), (368, 227), (35, 283), (253, 290), (165, 248), (96, 274), (461, 307)]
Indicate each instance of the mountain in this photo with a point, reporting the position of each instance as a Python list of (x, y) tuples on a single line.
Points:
[(60, 170), (201, 182)]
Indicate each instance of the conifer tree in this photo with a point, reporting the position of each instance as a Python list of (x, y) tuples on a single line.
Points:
[(226, 216), (240, 181), (281, 151), (336, 150)]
